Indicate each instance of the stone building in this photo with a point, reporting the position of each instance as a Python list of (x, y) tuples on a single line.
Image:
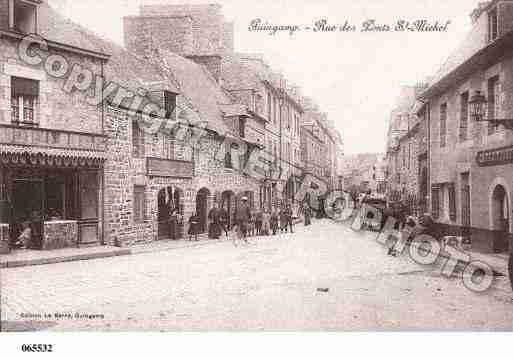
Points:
[(274, 107), (470, 161), (52, 140), (85, 165), (277, 106), (320, 146), (400, 154)]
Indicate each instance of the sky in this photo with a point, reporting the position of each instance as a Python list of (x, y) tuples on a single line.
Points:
[(355, 77)]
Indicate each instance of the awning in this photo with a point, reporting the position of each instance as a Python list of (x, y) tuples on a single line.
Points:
[(31, 155)]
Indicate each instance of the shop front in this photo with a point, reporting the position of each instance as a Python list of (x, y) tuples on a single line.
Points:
[(50, 199)]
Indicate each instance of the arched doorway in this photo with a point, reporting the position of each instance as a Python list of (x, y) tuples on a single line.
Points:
[(500, 209), (228, 203), (170, 213), (202, 208)]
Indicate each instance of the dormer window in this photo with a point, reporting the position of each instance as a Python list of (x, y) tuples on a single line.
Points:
[(23, 15), (493, 25), (169, 103)]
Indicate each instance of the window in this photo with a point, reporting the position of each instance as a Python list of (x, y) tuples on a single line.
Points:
[(409, 155), (24, 97), (435, 201), (168, 151), (275, 114), (443, 124), (288, 118), (493, 103), (493, 25), (452, 201), (23, 16), (269, 107), (242, 127), (139, 203), (137, 140), (464, 117), (169, 103)]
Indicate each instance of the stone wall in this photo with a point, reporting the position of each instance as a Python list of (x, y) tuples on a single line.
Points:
[(56, 108), (4, 14), (60, 234), (207, 24), (142, 34), (123, 171)]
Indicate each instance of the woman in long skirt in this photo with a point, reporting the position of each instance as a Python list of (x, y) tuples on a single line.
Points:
[(194, 227)]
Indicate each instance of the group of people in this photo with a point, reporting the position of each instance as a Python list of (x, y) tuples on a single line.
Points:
[(247, 222)]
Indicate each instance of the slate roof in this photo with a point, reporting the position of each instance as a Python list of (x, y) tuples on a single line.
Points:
[(186, 78), (123, 67), (200, 88)]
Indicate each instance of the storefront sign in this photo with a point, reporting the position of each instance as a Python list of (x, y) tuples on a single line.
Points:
[(494, 157), (158, 167)]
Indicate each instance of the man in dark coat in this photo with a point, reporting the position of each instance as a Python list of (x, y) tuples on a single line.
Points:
[(243, 216), (214, 228)]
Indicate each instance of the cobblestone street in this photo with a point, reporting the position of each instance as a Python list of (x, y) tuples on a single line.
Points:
[(270, 284)]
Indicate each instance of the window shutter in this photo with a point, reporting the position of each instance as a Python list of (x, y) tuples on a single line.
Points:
[(435, 201), (24, 87), (452, 201)]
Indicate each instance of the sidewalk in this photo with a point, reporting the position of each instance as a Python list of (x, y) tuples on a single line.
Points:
[(21, 258)]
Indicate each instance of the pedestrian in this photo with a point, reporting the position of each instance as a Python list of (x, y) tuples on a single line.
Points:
[(173, 223), (266, 223), (258, 222), (194, 227), (214, 227), (243, 215), (307, 214), (274, 221), (288, 218), (283, 220), (223, 220)]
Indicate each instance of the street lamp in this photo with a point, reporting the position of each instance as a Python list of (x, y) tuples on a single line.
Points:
[(478, 105)]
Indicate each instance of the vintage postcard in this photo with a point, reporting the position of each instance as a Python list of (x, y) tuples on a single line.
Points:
[(255, 166)]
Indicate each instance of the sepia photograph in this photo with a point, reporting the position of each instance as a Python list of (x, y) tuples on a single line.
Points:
[(255, 166)]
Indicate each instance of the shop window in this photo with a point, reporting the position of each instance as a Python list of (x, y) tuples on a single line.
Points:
[(23, 16), (139, 203), (24, 99), (89, 191)]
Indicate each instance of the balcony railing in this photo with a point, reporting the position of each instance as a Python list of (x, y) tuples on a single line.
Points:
[(50, 138)]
